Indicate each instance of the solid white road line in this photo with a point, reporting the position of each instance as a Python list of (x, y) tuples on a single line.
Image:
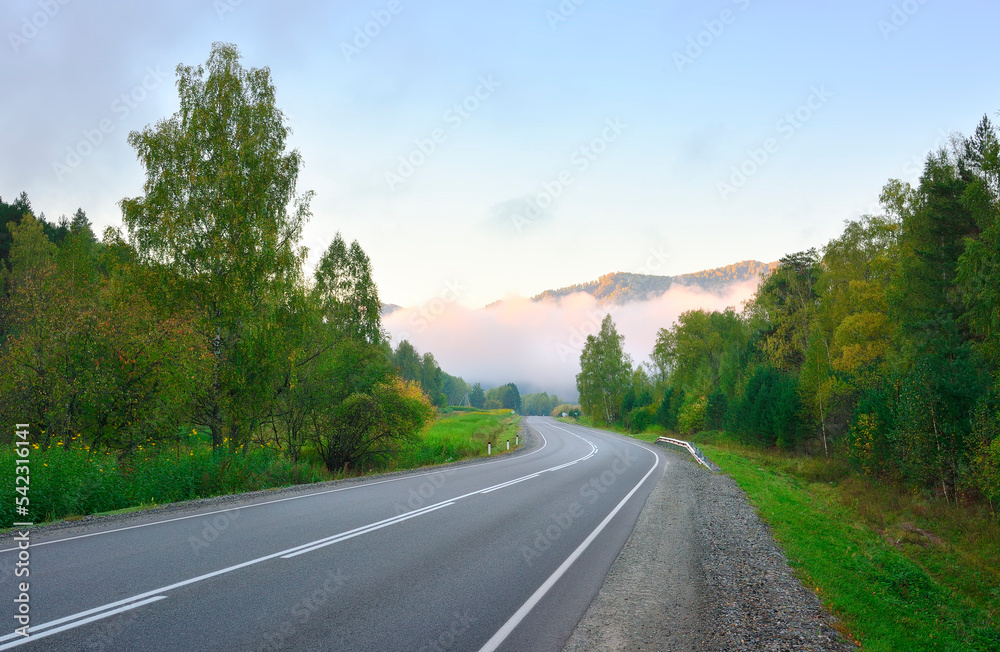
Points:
[(507, 484), (360, 531), (279, 500), (497, 639), (80, 618), (32, 636)]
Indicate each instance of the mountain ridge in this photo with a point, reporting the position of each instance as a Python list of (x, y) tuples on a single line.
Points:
[(625, 287)]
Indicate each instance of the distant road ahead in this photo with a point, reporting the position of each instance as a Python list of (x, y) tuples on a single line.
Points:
[(505, 554)]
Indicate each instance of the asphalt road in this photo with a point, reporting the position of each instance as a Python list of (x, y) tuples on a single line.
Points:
[(504, 554)]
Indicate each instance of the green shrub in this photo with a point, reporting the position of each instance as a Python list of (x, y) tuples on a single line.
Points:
[(691, 417), (638, 419)]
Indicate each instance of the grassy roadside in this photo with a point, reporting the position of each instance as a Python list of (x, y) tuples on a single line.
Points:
[(900, 571), (461, 434), (70, 481)]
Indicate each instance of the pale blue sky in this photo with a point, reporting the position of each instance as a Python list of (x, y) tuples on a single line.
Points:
[(885, 98)]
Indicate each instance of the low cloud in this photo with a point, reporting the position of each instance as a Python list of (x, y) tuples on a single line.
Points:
[(537, 344)]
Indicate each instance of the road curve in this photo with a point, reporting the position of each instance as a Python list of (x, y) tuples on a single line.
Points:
[(505, 554)]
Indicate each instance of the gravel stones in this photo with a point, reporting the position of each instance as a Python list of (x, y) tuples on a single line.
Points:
[(702, 572)]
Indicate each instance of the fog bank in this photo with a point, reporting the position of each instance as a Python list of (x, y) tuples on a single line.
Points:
[(537, 344)]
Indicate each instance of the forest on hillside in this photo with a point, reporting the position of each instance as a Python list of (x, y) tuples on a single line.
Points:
[(882, 347), (624, 287)]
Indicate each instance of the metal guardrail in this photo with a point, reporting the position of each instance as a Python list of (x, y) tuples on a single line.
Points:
[(694, 450)]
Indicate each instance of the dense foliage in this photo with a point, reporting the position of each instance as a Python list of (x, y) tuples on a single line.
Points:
[(539, 404), (443, 388), (198, 315), (884, 346)]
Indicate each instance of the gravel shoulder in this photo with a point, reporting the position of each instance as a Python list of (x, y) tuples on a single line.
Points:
[(701, 571)]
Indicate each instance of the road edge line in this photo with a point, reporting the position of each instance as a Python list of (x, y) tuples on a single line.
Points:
[(505, 630)]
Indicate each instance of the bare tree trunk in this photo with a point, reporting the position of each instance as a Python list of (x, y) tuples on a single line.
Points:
[(822, 424), (937, 443), (215, 421)]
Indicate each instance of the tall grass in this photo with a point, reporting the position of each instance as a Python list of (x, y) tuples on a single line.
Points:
[(69, 480), (459, 435), (73, 481)]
